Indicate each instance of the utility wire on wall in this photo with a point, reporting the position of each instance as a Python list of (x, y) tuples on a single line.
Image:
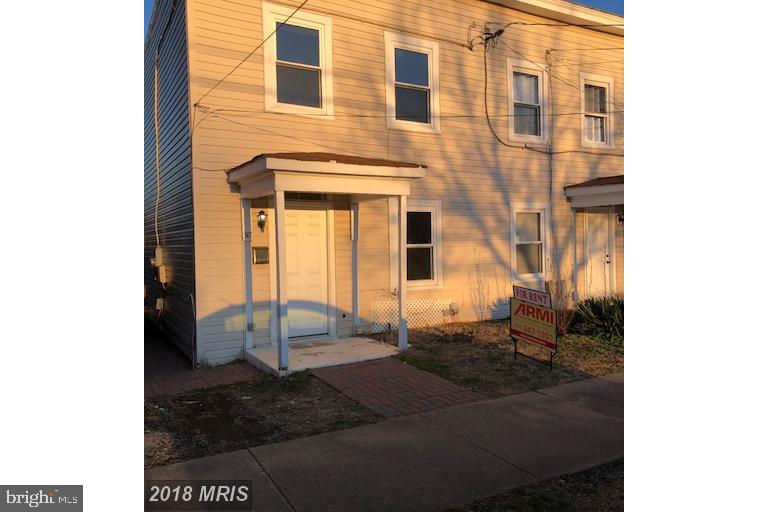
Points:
[(279, 26)]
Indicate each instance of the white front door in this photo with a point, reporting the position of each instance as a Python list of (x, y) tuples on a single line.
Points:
[(597, 244), (307, 252)]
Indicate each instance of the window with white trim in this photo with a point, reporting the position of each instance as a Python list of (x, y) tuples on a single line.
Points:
[(529, 241), (527, 101), (423, 243), (412, 92), (596, 101), (297, 61)]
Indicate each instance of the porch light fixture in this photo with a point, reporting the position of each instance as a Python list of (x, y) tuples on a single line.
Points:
[(261, 220), (620, 218)]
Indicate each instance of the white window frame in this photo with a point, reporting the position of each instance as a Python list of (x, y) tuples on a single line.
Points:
[(273, 14), (600, 81), (432, 49), (543, 209), (434, 206), (530, 69)]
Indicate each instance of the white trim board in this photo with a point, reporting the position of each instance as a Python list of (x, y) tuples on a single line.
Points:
[(393, 40), (274, 13), (434, 206), (529, 68), (543, 209)]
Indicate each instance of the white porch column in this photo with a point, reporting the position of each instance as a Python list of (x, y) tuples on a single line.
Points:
[(354, 213), (247, 275), (402, 342), (282, 282)]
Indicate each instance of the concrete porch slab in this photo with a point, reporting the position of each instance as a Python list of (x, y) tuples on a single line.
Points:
[(309, 355)]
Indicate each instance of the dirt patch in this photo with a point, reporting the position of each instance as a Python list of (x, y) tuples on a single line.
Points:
[(262, 411), (480, 356), (600, 488)]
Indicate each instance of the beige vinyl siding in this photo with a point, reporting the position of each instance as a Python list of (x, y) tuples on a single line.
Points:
[(175, 214), (473, 176)]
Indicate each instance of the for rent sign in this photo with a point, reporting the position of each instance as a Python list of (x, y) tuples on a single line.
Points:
[(532, 296), (534, 323)]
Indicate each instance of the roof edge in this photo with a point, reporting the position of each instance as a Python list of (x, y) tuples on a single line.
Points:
[(567, 12)]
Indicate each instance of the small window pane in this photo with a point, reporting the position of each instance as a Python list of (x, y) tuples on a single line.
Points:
[(298, 44), (529, 258), (419, 226), (594, 98), (419, 260), (412, 104), (526, 88), (411, 67), (528, 227), (527, 120), (298, 86), (595, 129)]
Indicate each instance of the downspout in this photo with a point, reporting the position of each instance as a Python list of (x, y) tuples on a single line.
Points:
[(550, 160)]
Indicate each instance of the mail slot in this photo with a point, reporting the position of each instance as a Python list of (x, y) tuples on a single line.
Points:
[(260, 255)]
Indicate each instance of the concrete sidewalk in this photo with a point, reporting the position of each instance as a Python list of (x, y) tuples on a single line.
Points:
[(431, 461)]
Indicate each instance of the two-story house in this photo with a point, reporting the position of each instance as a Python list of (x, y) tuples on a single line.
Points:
[(319, 170)]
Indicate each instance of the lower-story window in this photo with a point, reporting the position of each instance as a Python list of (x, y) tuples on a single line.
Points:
[(420, 246), (529, 240), (423, 243)]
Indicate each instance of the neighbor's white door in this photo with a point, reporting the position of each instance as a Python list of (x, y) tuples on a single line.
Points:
[(307, 251), (597, 242)]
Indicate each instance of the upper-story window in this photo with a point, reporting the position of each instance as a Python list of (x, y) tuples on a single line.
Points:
[(412, 95), (527, 101), (597, 118), (297, 62)]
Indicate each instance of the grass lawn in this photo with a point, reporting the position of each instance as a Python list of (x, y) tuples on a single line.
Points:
[(480, 356), (598, 489), (262, 411)]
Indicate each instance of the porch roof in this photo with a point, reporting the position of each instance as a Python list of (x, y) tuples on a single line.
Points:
[(323, 173), (604, 191)]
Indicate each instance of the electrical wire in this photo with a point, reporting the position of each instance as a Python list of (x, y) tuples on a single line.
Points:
[(555, 75), (247, 113), (587, 49), (563, 24), (279, 26), (485, 101)]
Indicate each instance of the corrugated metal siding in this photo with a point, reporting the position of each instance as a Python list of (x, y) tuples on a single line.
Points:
[(175, 215), (474, 176)]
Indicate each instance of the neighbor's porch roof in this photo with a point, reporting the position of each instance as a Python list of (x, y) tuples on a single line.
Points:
[(323, 173), (605, 191)]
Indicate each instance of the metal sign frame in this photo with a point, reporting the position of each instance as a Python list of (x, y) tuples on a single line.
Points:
[(552, 352)]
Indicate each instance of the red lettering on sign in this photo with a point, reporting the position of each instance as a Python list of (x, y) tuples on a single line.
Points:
[(536, 313)]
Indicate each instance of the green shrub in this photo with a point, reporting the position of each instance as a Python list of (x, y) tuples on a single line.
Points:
[(600, 316)]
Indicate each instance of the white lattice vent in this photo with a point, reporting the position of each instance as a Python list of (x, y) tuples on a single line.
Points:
[(421, 313)]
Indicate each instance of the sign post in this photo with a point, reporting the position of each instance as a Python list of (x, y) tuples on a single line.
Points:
[(534, 323)]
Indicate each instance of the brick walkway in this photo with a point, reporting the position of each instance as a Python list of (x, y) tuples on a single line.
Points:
[(168, 372), (394, 388)]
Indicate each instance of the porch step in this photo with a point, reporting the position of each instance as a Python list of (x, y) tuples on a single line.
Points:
[(309, 355)]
